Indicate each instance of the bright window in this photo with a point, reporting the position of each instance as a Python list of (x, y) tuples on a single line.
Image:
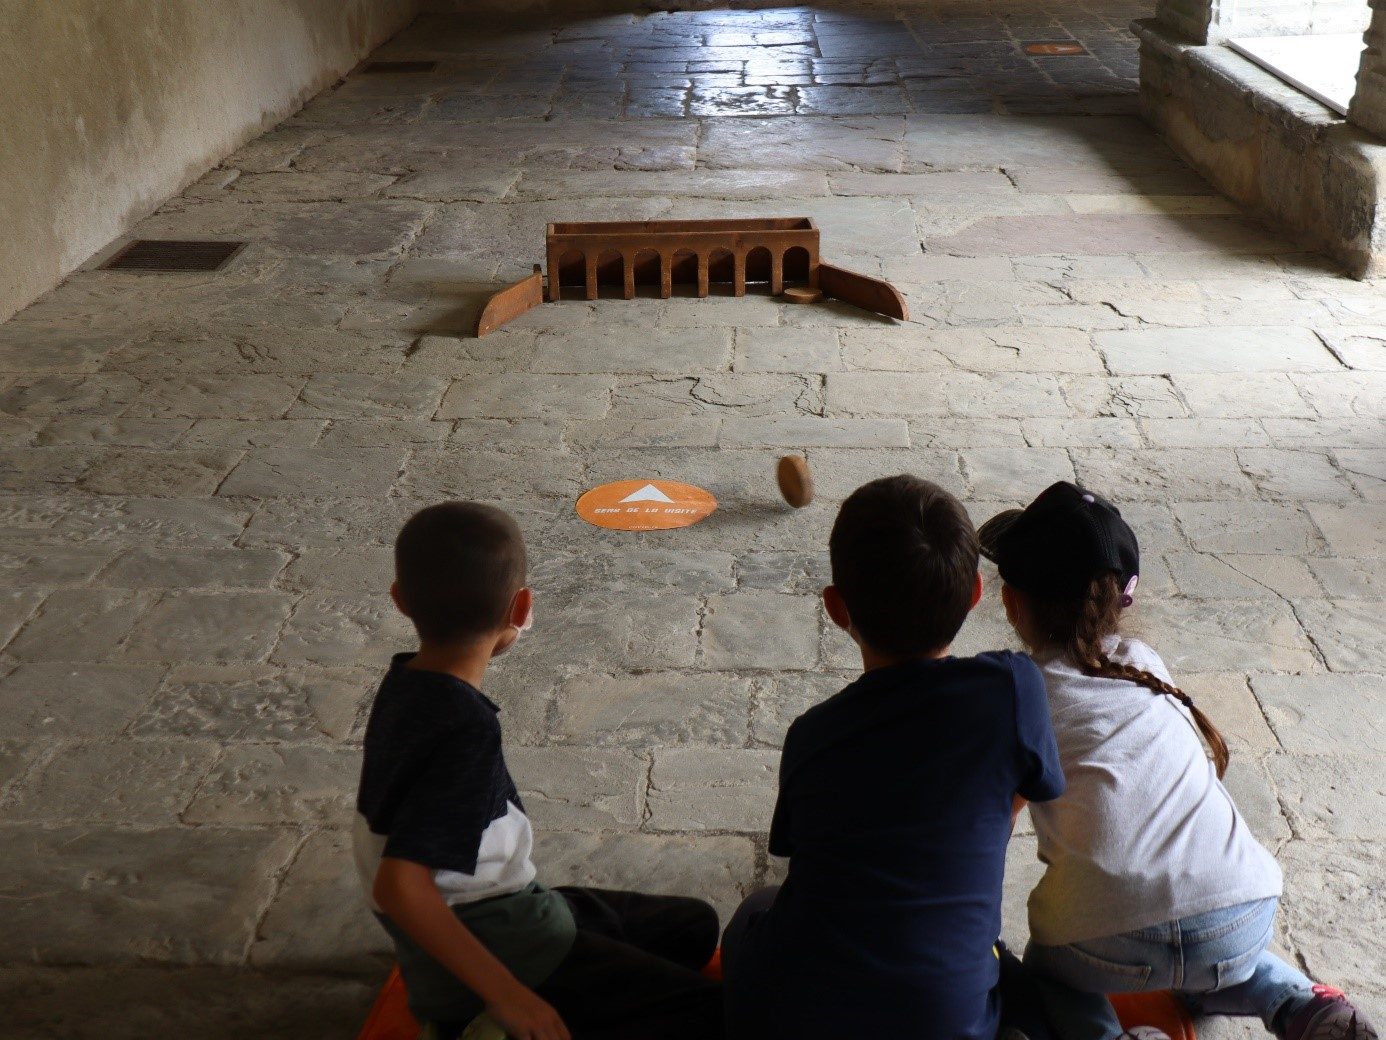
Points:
[(1322, 64)]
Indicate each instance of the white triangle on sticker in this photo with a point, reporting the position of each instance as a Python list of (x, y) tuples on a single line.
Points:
[(648, 493)]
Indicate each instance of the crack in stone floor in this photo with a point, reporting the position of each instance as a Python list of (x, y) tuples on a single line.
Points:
[(200, 477)]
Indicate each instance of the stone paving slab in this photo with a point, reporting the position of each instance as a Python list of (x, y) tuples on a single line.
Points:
[(581, 789), (1320, 714), (1333, 910), (70, 701), (1222, 349), (1229, 697), (144, 783), (1239, 576), (1349, 528), (275, 472), (638, 711), (1348, 633), (201, 475), (316, 888), (1351, 578), (209, 627), (77, 625), (88, 1003), (140, 891), (335, 631), (692, 789), (229, 703), (252, 785), (1245, 634), (1105, 233)]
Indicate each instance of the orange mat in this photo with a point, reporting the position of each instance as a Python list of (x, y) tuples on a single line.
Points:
[(390, 1018), (1158, 1008)]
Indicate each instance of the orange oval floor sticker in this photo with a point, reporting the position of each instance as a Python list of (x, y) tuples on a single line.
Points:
[(1056, 49), (645, 505)]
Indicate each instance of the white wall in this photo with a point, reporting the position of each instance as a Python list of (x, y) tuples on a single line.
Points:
[(1204, 20), (111, 106)]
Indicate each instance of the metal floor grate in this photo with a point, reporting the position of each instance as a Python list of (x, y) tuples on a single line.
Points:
[(379, 67), (153, 254)]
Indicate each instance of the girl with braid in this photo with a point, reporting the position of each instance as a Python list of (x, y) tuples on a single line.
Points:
[(1153, 880)]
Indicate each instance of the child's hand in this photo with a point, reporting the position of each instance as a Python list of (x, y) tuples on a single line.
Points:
[(525, 1016)]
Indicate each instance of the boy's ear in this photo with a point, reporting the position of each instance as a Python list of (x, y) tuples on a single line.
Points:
[(521, 607), (398, 599), (837, 608), (977, 587)]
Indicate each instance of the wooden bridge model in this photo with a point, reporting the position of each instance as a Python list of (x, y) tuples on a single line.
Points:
[(582, 257)]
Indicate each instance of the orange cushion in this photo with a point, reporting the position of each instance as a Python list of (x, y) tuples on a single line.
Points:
[(1159, 1008), (390, 1018), (713, 968)]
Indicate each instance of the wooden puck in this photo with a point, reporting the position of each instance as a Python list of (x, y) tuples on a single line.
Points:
[(802, 294), (795, 480)]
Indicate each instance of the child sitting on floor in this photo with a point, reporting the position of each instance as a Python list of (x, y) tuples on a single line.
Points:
[(895, 802), (1154, 880), (443, 844)]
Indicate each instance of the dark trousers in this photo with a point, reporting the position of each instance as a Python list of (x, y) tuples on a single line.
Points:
[(1021, 1004), (632, 973), (752, 908)]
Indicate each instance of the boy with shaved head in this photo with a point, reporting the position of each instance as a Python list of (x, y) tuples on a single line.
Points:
[(443, 844)]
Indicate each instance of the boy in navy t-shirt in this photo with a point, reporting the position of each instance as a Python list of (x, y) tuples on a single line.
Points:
[(897, 798), (443, 845)]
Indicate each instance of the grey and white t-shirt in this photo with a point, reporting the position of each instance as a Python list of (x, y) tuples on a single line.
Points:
[(1145, 832)]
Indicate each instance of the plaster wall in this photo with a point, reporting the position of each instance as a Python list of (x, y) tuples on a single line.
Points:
[(111, 106)]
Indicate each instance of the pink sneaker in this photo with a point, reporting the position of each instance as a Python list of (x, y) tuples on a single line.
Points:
[(1328, 1016)]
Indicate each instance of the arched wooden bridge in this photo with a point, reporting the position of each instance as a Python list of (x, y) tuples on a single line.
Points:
[(694, 252), (587, 255)]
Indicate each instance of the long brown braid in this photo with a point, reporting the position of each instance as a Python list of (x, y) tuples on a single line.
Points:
[(1078, 628)]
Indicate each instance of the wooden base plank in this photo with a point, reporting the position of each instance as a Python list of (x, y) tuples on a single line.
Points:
[(511, 302), (871, 294)]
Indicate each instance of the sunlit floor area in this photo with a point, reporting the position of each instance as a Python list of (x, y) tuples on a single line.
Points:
[(203, 474)]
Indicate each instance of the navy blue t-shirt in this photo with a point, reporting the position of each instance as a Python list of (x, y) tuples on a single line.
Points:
[(895, 811)]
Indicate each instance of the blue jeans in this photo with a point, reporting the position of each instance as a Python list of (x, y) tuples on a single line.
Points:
[(1218, 962)]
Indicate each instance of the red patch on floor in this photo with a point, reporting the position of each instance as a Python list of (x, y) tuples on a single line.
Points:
[(1055, 50)]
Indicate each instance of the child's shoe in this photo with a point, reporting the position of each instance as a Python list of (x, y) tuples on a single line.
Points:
[(1328, 1016), (483, 1027), (1144, 1033)]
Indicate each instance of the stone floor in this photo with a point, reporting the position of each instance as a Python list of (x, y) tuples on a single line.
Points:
[(202, 475)]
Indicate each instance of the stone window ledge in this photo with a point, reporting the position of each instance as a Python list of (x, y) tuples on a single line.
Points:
[(1263, 90), (1268, 146)]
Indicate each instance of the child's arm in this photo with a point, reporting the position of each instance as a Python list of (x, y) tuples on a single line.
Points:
[(405, 891), (1017, 803)]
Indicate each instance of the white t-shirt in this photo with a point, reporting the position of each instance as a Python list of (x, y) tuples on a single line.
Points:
[(1145, 832)]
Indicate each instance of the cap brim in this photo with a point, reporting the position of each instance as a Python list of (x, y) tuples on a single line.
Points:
[(989, 535)]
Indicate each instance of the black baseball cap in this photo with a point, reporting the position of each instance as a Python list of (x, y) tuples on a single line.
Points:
[(1057, 544)]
